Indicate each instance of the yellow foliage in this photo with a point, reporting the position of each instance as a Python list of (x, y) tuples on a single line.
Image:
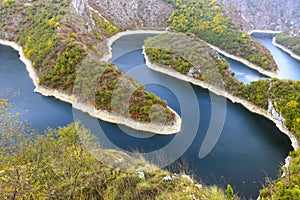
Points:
[(215, 8), (53, 22), (244, 35), (49, 43), (27, 52), (292, 104)]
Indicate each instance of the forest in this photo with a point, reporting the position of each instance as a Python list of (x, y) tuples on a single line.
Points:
[(284, 94), (56, 164), (42, 165), (205, 19), (60, 49), (292, 43), (192, 57)]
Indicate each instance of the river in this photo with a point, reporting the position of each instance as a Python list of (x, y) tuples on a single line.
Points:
[(289, 68), (248, 148)]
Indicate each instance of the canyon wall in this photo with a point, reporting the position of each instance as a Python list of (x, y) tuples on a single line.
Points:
[(276, 15)]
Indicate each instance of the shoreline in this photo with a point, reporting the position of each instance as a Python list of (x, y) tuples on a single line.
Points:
[(263, 31), (103, 115), (85, 108), (285, 49), (110, 41), (132, 123), (248, 105), (245, 62)]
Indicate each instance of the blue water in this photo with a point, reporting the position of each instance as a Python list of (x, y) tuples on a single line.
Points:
[(243, 73), (15, 84), (289, 68), (247, 147)]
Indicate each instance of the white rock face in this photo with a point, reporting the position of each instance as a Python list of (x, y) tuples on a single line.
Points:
[(277, 15), (82, 8), (133, 13), (273, 112), (79, 6)]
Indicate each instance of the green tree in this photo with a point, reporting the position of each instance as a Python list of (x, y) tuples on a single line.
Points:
[(229, 192)]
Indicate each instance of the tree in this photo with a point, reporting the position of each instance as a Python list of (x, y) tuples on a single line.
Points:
[(58, 165), (229, 192)]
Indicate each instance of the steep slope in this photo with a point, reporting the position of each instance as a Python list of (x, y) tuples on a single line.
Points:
[(134, 13), (206, 20), (67, 44), (56, 164), (277, 15)]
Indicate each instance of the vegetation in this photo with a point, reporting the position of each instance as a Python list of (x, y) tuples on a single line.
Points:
[(106, 87), (58, 44), (285, 97), (286, 187), (292, 43), (206, 20), (57, 165), (284, 94), (192, 57)]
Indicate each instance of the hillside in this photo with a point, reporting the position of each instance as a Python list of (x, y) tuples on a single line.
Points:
[(134, 14), (193, 58), (276, 15), (290, 42), (206, 20), (66, 42), (183, 57), (69, 163)]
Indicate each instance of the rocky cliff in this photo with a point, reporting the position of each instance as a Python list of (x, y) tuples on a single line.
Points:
[(277, 15), (134, 13)]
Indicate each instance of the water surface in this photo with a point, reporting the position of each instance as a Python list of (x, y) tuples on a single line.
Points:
[(16, 85), (289, 67), (249, 147)]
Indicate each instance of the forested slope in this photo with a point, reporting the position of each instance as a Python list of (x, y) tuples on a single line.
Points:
[(63, 42), (285, 96), (195, 60), (206, 19), (57, 38), (275, 15), (290, 42), (57, 164)]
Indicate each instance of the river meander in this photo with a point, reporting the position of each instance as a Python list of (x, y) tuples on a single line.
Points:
[(249, 147)]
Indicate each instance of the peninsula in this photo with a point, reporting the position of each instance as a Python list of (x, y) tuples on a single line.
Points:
[(66, 46)]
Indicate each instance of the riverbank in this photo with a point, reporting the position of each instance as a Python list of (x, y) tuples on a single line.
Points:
[(147, 126), (275, 43), (283, 48), (111, 40), (248, 105), (161, 129), (114, 38), (263, 31), (246, 62)]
